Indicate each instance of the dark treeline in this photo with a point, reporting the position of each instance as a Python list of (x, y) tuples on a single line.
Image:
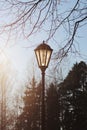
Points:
[(65, 103)]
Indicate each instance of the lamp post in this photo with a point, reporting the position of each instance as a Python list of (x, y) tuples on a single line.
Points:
[(43, 54)]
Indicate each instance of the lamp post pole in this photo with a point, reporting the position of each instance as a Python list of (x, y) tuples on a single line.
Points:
[(43, 54), (43, 101)]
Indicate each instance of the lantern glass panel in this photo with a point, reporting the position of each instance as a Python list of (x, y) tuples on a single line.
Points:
[(38, 57), (43, 55), (48, 57)]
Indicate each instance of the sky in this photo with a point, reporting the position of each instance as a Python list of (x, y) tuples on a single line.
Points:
[(20, 52)]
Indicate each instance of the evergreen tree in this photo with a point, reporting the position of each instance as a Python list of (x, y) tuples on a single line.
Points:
[(52, 108), (74, 98), (30, 117)]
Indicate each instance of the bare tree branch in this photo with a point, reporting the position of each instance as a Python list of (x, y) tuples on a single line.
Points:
[(30, 16)]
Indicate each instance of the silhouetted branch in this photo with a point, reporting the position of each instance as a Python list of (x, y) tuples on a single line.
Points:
[(30, 16)]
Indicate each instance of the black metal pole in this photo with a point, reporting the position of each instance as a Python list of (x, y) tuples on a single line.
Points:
[(2, 106), (43, 101)]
